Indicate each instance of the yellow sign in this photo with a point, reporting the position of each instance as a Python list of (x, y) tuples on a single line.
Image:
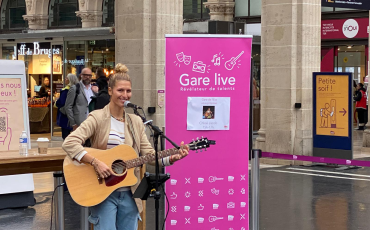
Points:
[(332, 105), (345, 60)]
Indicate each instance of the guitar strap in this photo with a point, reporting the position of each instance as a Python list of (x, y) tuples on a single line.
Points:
[(134, 137)]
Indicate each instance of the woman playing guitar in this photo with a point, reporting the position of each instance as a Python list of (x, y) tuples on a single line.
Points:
[(107, 128)]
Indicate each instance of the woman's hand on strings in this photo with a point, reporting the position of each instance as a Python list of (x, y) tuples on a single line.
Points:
[(102, 169), (183, 152)]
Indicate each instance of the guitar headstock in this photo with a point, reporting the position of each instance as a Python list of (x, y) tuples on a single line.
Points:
[(200, 144)]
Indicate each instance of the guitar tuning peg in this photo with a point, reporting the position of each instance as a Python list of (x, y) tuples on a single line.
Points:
[(201, 150)]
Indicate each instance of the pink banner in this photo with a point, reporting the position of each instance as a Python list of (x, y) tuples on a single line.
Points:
[(207, 94)]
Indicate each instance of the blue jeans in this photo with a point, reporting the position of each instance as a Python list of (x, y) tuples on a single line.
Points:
[(117, 212)]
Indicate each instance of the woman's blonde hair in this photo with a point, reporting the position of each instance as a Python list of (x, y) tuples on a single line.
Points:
[(120, 74)]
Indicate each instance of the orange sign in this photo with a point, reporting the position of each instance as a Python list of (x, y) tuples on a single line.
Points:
[(331, 105)]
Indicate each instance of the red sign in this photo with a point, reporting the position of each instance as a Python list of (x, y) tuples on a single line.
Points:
[(345, 28)]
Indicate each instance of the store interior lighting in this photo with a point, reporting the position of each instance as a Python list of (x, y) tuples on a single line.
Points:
[(107, 72)]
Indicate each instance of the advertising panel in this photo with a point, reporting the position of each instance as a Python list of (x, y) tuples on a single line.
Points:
[(345, 28), (332, 115)]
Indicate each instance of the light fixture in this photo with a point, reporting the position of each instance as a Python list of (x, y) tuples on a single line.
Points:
[(349, 47), (338, 48), (107, 50)]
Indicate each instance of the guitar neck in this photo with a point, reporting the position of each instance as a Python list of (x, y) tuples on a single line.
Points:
[(150, 157)]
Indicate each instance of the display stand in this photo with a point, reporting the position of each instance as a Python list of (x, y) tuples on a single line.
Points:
[(16, 191)]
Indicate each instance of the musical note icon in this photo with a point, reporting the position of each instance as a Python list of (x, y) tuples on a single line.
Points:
[(229, 65), (216, 60)]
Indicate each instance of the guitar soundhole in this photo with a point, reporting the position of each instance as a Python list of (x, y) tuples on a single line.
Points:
[(119, 166)]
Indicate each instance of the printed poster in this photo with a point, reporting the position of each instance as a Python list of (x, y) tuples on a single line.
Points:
[(331, 105), (208, 113), (11, 113)]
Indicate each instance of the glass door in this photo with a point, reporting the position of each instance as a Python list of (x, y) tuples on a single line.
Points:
[(352, 59), (57, 84)]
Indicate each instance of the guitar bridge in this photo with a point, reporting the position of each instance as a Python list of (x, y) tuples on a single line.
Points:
[(100, 180)]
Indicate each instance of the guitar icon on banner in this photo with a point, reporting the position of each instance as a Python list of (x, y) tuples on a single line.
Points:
[(230, 64)]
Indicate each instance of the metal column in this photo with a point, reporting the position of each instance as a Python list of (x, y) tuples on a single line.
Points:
[(84, 219), (59, 201), (256, 155)]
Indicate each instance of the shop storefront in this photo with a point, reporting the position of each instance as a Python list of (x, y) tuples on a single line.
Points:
[(345, 47), (54, 60)]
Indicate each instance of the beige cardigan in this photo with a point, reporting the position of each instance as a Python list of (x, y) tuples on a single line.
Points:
[(97, 128)]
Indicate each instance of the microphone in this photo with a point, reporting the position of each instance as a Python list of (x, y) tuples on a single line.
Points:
[(128, 104)]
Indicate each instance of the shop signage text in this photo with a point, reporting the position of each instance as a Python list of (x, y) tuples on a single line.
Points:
[(36, 50), (76, 62), (353, 4), (345, 28)]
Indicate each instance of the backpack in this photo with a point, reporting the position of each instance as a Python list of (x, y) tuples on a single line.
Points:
[(92, 104), (77, 93), (100, 101)]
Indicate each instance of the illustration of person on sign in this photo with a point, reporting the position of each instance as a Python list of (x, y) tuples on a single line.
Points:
[(325, 114), (5, 130)]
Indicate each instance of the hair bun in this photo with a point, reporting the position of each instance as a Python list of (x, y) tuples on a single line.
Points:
[(121, 68)]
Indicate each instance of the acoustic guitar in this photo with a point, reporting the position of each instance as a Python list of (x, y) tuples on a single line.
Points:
[(87, 189)]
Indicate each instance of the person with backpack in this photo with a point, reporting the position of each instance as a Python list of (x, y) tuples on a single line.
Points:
[(78, 99), (62, 119), (103, 98)]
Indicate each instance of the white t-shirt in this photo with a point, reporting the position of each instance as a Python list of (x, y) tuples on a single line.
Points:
[(117, 137), (116, 134)]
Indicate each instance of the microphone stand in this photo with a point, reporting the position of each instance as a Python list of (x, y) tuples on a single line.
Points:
[(146, 186)]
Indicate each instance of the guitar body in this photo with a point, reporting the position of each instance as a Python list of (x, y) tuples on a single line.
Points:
[(82, 181)]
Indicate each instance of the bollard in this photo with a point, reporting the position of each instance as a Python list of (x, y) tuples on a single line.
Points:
[(84, 219), (59, 202), (256, 155)]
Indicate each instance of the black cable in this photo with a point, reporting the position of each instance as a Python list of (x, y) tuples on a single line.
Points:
[(143, 113), (52, 201), (168, 207)]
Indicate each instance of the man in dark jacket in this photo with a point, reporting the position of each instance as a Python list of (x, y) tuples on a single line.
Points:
[(103, 98)]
